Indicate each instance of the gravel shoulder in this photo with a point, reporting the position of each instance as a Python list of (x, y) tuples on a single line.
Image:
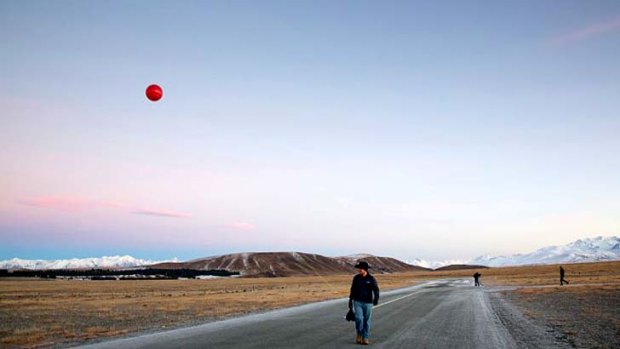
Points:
[(526, 332), (580, 316)]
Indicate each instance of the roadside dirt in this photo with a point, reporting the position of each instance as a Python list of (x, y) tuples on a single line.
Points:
[(580, 316), (526, 331)]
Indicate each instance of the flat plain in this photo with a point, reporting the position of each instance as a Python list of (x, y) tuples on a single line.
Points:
[(43, 313)]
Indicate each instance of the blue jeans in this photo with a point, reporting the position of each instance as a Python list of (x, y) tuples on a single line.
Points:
[(363, 313)]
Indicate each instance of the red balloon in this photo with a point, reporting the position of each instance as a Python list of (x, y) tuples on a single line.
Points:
[(154, 92)]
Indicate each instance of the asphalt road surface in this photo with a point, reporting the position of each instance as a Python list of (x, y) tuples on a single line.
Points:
[(436, 314)]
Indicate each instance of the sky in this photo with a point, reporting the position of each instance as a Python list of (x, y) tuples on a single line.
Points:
[(412, 129)]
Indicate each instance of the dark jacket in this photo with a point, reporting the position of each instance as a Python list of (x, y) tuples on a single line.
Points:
[(362, 289)]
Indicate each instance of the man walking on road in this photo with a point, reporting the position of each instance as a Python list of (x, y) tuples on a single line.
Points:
[(477, 276), (361, 300), (562, 281)]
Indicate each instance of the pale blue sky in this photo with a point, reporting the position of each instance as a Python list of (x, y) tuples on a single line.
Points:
[(443, 129)]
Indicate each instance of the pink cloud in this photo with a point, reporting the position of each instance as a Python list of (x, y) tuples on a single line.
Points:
[(60, 203), (241, 226), (161, 213), (74, 204), (590, 31)]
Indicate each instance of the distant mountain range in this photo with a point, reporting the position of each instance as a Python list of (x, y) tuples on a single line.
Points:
[(585, 250), (78, 263), (296, 263), (435, 264), (249, 264)]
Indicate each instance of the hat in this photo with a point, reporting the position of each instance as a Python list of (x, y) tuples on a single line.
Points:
[(362, 265)]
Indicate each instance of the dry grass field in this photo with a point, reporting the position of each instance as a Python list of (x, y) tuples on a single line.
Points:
[(45, 312), (41, 313), (539, 275)]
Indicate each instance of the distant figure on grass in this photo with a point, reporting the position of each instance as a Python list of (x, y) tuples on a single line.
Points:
[(562, 281), (361, 300), (477, 276)]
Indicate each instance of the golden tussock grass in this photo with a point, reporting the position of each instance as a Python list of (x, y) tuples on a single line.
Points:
[(36, 312), (539, 275), (542, 275), (72, 310)]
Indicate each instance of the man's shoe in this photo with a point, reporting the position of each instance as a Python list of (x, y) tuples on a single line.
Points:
[(358, 340), (365, 341)]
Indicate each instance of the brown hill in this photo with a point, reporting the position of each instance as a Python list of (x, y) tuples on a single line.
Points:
[(289, 263), (379, 264), (266, 264)]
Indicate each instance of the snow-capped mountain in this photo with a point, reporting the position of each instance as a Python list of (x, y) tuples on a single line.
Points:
[(434, 264), (78, 263), (583, 250)]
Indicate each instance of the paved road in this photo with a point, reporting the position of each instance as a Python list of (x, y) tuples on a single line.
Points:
[(436, 314)]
